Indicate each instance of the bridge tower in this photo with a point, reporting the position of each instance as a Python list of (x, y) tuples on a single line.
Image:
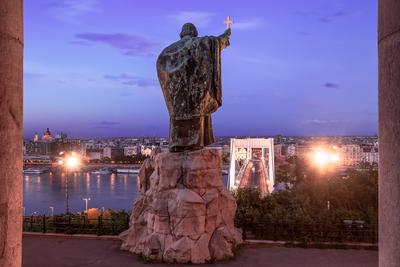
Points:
[(252, 164)]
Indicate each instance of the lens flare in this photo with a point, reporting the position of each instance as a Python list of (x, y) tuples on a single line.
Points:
[(334, 158), (323, 157), (72, 162)]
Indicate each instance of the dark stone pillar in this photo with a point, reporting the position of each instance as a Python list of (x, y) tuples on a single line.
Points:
[(389, 133), (11, 47)]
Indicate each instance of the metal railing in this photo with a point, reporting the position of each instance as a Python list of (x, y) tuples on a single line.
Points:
[(307, 233), (75, 224)]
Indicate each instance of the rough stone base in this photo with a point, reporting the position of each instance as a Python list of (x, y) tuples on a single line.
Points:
[(186, 216)]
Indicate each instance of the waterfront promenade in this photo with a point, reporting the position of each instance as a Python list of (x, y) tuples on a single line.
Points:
[(39, 250)]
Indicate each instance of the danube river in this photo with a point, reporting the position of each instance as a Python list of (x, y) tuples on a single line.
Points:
[(111, 191)]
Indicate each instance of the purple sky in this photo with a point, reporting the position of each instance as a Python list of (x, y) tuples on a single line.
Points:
[(293, 68)]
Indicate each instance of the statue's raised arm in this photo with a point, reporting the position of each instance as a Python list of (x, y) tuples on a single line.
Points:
[(189, 72), (224, 38)]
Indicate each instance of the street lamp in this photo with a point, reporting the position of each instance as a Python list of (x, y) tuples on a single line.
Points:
[(70, 162), (86, 202), (52, 210), (325, 157)]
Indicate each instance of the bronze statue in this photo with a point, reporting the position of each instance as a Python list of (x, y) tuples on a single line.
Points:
[(189, 72)]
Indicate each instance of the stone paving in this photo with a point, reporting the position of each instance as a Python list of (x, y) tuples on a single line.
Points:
[(48, 251)]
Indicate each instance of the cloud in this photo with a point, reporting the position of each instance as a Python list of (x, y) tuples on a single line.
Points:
[(199, 18), (317, 121), (332, 17), (107, 123), (131, 80), (331, 85), (247, 25), (322, 18), (130, 45), (40, 77), (241, 96), (71, 10)]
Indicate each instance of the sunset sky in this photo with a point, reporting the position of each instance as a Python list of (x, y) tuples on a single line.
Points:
[(294, 67)]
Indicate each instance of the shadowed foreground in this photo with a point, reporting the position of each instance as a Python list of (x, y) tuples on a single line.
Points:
[(63, 251)]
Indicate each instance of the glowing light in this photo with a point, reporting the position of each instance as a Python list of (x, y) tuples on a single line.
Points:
[(60, 162), (323, 157), (98, 182), (88, 182), (334, 158), (72, 162), (112, 182)]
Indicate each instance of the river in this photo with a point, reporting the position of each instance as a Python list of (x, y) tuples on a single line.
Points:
[(111, 191)]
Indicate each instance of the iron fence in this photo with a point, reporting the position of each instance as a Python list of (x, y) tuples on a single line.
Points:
[(307, 233), (80, 224), (75, 224)]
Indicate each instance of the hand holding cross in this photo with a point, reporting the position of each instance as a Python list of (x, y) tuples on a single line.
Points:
[(228, 22)]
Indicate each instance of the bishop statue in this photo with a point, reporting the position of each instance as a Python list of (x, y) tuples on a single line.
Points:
[(189, 72)]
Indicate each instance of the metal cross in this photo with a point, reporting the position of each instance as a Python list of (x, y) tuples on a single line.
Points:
[(228, 22)]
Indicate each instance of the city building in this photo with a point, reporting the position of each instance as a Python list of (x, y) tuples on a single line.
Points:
[(370, 155), (47, 136), (38, 148), (278, 150), (107, 152), (350, 155), (94, 153), (131, 150), (303, 150), (146, 151), (291, 150)]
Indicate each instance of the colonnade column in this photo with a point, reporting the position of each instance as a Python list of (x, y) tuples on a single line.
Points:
[(11, 73), (389, 133)]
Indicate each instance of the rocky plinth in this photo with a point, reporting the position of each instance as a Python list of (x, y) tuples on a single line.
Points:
[(186, 214)]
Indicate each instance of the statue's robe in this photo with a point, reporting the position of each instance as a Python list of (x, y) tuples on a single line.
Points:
[(146, 170), (189, 72)]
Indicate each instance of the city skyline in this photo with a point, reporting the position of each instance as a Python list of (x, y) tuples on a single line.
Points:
[(292, 68)]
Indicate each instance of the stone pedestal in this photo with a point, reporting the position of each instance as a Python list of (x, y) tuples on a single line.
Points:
[(186, 215)]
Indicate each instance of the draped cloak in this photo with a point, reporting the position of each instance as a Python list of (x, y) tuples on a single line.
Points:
[(189, 72)]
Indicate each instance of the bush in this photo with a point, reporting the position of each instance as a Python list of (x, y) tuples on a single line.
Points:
[(302, 213)]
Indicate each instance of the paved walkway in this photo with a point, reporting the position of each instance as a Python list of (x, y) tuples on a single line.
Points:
[(47, 251)]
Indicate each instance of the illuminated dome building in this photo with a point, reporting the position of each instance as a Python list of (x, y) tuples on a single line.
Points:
[(36, 137), (47, 135)]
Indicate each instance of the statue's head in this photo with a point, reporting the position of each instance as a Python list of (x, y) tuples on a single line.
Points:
[(188, 29)]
